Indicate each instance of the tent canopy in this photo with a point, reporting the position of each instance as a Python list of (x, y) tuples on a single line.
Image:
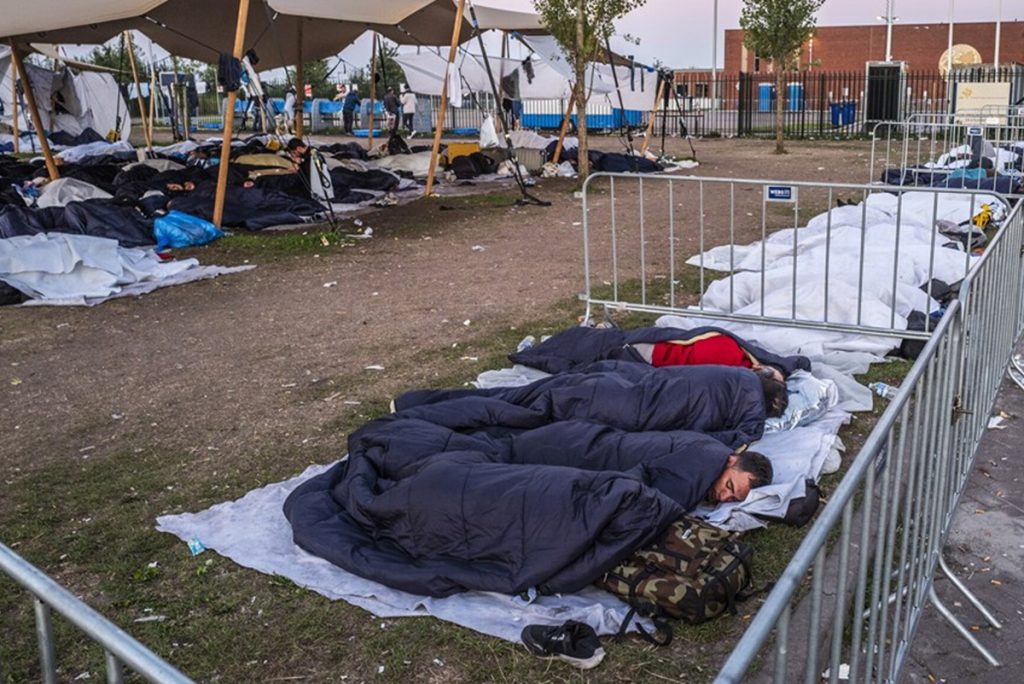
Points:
[(282, 32)]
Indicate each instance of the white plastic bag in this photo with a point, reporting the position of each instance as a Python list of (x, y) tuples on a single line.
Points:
[(488, 134)]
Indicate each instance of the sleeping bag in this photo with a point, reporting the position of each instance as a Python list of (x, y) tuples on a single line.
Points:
[(429, 507), (577, 347), (725, 403)]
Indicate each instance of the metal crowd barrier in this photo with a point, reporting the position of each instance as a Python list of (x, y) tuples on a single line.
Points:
[(907, 146), (848, 604), (640, 230), (119, 647)]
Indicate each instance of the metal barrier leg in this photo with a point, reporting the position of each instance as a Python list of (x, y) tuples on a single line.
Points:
[(113, 668), (975, 601), (964, 632), (44, 632)]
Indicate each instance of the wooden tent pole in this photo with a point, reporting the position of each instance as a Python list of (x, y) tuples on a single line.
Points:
[(300, 90), (373, 92), (14, 109), (564, 129), (229, 119), (654, 112), (439, 125), (138, 92), (37, 121)]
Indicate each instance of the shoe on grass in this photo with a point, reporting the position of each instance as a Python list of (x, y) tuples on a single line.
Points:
[(573, 642)]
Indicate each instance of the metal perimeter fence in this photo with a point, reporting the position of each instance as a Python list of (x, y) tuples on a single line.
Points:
[(848, 604), (927, 147)]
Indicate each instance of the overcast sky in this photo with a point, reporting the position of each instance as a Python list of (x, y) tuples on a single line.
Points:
[(678, 32)]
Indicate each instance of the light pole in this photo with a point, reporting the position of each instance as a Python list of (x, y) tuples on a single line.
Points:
[(999, 21), (949, 46), (889, 20), (714, 59)]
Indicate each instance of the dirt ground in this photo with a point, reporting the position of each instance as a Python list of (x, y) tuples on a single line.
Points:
[(195, 394)]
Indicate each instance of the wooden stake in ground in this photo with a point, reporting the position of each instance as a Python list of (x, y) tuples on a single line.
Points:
[(229, 119), (146, 133), (373, 92), (14, 111), (37, 121), (439, 125), (650, 122), (300, 90), (564, 129)]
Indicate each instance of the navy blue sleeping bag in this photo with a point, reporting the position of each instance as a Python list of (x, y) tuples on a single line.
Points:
[(429, 507), (723, 402), (580, 346)]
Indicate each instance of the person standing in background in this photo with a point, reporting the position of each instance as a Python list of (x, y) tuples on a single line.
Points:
[(348, 108), (289, 109), (408, 109)]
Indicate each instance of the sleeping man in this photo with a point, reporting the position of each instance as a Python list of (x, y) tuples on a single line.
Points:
[(577, 347), (435, 507), (729, 404)]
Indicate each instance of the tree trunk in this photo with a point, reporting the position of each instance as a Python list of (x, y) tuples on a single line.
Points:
[(580, 93), (780, 147)]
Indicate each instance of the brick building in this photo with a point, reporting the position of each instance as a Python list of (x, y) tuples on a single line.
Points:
[(848, 48)]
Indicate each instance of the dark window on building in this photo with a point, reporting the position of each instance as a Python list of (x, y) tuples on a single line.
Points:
[(700, 89), (681, 89), (757, 64)]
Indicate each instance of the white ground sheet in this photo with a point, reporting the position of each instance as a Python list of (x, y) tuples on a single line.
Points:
[(61, 269), (253, 531)]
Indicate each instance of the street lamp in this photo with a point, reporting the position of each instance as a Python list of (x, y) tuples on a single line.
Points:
[(889, 20)]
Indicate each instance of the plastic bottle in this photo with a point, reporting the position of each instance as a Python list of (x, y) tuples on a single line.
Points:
[(883, 390), (526, 343)]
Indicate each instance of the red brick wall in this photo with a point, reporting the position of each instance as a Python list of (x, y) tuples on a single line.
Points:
[(847, 48)]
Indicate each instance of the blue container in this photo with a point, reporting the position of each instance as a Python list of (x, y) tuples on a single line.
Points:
[(849, 113), (836, 110), (795, 92), (765, 97)]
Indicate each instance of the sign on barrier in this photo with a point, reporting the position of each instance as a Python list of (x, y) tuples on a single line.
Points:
[(780, 193)]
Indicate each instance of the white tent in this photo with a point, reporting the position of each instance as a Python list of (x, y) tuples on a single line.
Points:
[(68, 100), (552, 75)]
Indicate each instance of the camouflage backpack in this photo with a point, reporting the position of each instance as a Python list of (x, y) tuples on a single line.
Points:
[(694, 572)]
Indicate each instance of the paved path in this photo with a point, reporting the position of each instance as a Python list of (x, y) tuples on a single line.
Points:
[(986, 551)]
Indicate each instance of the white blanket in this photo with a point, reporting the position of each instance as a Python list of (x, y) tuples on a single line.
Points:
[(65, 269)]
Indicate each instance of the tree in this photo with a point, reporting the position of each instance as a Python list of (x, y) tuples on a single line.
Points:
[(776, 30), (114, 55), (581, 28)]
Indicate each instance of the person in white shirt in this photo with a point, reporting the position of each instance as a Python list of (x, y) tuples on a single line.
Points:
[(408, 109), (289, 109)]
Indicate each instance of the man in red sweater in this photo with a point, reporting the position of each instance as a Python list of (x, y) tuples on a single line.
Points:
[(710, 349)]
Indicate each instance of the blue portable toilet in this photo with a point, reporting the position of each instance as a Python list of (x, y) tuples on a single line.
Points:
[(795, 92), (765, 97)]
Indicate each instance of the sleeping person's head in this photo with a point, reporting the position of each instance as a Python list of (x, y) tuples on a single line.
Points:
[(742, 472), (776, 396)]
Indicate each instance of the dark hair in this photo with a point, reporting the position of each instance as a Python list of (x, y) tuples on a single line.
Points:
[(759, 467), (294, 144), (776, 396)]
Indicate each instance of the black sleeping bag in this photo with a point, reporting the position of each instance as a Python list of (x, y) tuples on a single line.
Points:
[(723, 402), (429, 507), (249, 208), (578, 347), (103, 218)]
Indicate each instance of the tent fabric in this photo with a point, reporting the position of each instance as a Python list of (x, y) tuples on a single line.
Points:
[(30, 17), (87, 100)]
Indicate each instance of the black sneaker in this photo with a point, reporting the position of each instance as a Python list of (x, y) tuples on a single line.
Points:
[(573, 642)]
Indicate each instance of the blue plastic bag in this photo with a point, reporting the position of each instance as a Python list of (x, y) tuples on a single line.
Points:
[(178, 229)]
